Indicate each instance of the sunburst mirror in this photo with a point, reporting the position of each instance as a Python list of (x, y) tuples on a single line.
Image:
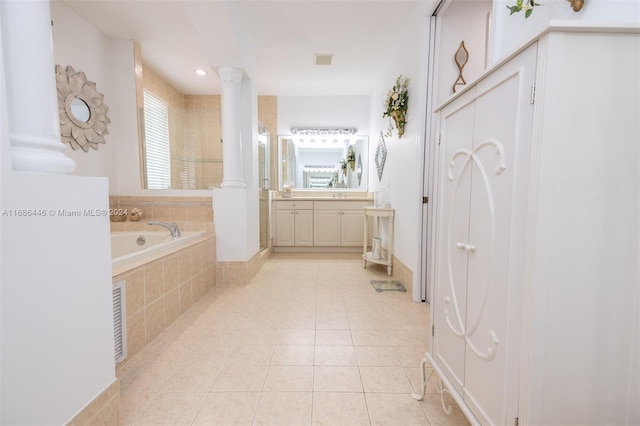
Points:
[(83, 115)]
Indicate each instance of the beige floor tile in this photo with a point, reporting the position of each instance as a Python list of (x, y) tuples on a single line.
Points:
[(332, 321), (289, 378), (394, 410), (339, 409), (333, 338), (385, 379), (411, 356), (284, 408), (415, 377), (376, 356), (258, 336), (370, 337), (432, 407), (192, 378), (251, 355), (335, 355), (210, 353), (337, 379), (228, 408), (408, 338), (132, 405), (303, 341), (364, 322), (241, 378), (293, 355), (296, 337), (171, 408), (145, 378)]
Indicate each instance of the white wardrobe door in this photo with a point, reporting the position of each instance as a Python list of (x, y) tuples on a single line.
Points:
[(502, 132), (456, 132)]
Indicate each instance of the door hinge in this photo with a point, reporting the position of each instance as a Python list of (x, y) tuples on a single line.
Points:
[(517, 421), (533, 93), (425, 200), (439, 139), (433, 330)]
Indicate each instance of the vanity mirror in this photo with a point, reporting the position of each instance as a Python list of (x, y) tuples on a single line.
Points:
[(312, 162)]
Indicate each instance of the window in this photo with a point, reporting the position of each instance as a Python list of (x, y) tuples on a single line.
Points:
[(156, 139)]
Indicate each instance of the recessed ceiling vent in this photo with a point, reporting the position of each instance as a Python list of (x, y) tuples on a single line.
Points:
[(323, 59)]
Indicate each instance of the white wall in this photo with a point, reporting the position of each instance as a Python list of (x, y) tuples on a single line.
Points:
[(510, 32), (462, 21), (78, 44), (56, 320), (323, 111), (404, 162)]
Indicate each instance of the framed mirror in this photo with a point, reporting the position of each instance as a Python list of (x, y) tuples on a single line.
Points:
[(381, 156), (314, 162)]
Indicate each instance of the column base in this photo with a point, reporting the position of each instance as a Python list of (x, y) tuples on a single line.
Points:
[(233, 183)]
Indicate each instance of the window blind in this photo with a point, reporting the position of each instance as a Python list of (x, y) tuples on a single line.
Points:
[(156, 138)]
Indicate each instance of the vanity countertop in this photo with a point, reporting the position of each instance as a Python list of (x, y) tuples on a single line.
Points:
[(324, 199)]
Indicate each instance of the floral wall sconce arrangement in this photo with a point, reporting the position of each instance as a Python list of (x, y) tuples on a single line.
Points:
[(351, 158), (528, 5), (396, 102), (83, 115)]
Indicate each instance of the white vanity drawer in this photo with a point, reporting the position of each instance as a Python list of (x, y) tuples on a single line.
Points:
[(293, 205), (341, 205)]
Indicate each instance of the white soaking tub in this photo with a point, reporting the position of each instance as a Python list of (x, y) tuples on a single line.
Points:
[(136, 248)]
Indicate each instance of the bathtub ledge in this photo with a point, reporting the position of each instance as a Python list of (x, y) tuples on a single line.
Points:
[(123, 267)]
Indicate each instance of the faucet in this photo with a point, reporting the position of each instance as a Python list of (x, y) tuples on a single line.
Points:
[(172, 227)]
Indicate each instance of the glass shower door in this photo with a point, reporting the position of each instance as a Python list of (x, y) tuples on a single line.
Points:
[(264, 184)]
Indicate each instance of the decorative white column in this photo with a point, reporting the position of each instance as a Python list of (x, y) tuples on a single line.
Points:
[(233, 176), (31, 88)]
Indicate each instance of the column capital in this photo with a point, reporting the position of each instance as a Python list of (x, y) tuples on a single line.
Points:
[(230, 78)]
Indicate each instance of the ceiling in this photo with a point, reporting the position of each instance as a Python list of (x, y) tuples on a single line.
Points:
[(178, 36)]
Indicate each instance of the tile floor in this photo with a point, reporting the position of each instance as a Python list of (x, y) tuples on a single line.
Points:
[(308, 341)]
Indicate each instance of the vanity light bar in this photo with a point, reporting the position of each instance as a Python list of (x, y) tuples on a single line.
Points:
[(317, 131)]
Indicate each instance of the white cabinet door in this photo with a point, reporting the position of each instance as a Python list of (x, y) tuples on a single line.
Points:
[(485, 143), (303, 227), (450, 298), (285, 228), (326, 225), (352, 232)]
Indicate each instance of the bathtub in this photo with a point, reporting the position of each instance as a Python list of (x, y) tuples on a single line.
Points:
[(141, 247)]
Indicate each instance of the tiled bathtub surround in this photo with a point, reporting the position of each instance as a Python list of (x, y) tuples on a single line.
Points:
[(190, 213), (158, 292)]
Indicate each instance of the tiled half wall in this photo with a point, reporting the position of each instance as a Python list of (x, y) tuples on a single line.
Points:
[(189, 213), (158, 292)]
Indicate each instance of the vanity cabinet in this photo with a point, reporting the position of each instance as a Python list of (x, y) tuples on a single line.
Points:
[(319, 224), (536, 227), (294, 223), (338, 223)]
